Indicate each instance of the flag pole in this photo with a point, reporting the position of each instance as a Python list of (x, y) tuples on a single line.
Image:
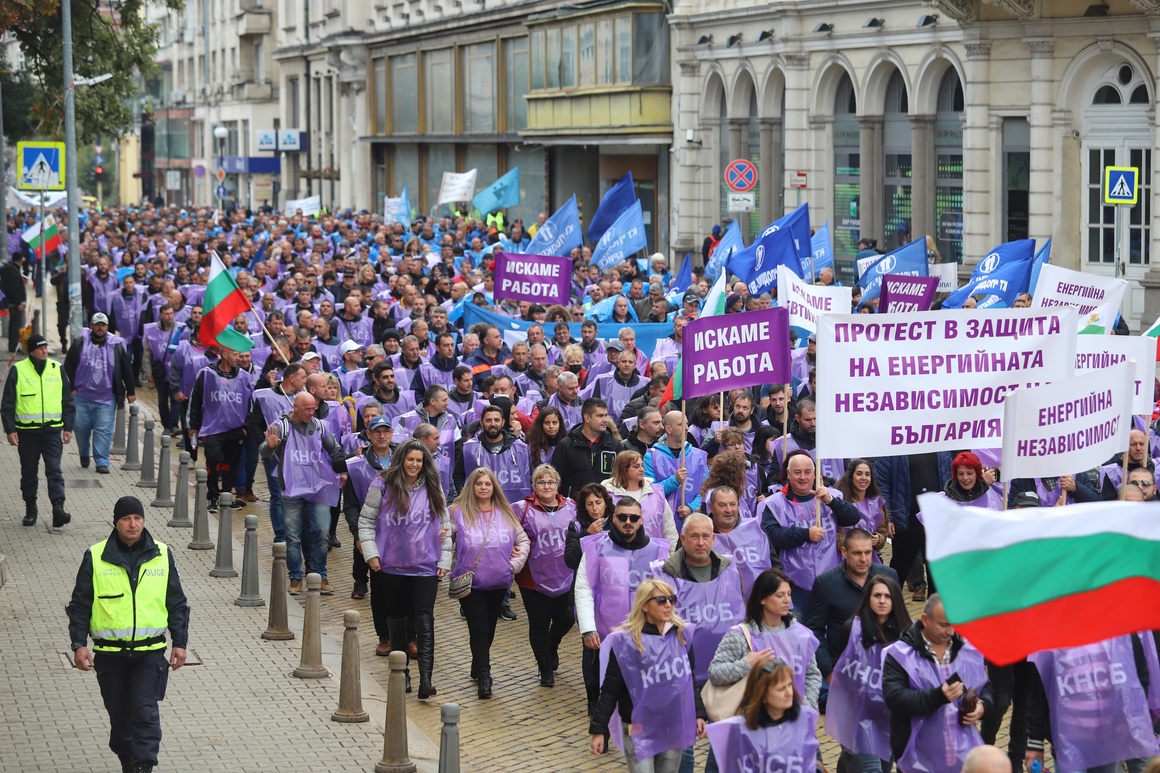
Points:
[(684, 442), (785, 424), (817, 501), (261, 322), (1006, 493)]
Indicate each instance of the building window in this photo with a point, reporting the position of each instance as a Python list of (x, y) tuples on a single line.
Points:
[(847, 171), (896, 169), (553, 59), (568, 57), (623, 49), (537, 43), (440, 159), (516, 83), (650, 49), (1016, 178), (404, 95), (439, 79), (292, 90), (1101, 219), (1140, 215), (948, 148), (479, 96), (379, 73), (587, 55), (605, 59), (405, 170)]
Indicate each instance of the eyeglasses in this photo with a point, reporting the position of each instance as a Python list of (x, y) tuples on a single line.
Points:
[(768, 667), (734, 445), (548, 482), (626, 518), (662, 600)]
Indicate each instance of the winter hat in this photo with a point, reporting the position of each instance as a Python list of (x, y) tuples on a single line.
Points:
[(127, 506)]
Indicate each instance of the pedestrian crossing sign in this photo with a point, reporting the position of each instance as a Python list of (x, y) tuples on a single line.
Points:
[(1121, 185), (40, 166)]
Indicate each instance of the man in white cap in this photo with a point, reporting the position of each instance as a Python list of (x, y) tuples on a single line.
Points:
[(312, 362), (102, 379)]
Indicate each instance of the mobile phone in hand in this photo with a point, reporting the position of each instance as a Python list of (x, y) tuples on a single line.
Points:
[(954, 678)]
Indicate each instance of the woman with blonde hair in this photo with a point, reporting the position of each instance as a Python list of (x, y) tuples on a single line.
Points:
[(628, 480), (490, 544), (772, 724), (660, 715)]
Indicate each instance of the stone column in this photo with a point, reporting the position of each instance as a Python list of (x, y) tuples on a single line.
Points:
[(362, 189), (739, 148), (871, 182), (798, 139), (772, 171), (922, 183), (1043, 193), (979, 177)]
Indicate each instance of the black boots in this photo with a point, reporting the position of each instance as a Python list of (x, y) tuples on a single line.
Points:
[(425, 643), (59, 516), (397, 627), (30, 513), (484, 683), (547, 678)]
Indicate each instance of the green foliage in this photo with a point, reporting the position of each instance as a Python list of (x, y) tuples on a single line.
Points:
[(19, 92), (124, 45)]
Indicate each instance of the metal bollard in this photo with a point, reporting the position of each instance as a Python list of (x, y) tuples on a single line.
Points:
[(350, 708), (163, 498), (224, 565), (201, 540), (250, 597), (310, 666), (449, 738), (396, 759), (277, 628), (132, 452), (118, 446), (180, 519), (148, 470)]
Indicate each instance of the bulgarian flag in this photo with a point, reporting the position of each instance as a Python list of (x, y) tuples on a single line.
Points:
[(223, 302), (43, 241), (714, 306), (1020, 581), (1154, 332)]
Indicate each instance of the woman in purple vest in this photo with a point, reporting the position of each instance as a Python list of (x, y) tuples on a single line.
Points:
[(547, 430), (491, 544), (707, 411), (546, 581), (401, 528), (628, 480), (860, 489), (774, 731), (857, 716), (648, 681)]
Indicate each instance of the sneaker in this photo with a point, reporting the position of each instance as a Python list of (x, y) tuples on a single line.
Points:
[(359, 591), (237, 504), (326, 589), (506, 613), (919, 595), (295, 586), (85, 462), (213, 505), (103, 470)]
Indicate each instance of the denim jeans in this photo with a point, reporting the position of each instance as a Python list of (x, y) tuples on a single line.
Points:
[(306, 526), (687, 762), (274, 484), (95, 419), (872, 764), (665, 762), (801, 602)]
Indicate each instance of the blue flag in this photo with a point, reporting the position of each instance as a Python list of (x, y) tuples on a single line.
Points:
[(514, 330), (614, 204), (786, 240), (823, 250), (622, 240), (260, 255), (905, 261), (1041, 257), (503, 193), (681, 282), (1005, 283), (1001, 256), (730, 243), (559, 233)]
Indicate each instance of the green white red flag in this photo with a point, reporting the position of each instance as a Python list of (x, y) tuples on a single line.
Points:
[(43, 241), (223, 302)]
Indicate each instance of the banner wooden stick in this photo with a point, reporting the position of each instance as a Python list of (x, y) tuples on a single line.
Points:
[(684, 442), (1006, 492), (785, 425), (817, 501)]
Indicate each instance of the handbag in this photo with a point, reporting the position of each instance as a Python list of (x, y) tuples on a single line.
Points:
[(460, 586), (723, 702)]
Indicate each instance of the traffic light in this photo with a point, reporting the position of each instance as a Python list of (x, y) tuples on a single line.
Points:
[(99, 173)]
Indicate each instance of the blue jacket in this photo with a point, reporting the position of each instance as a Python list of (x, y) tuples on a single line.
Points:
[(893, 476)]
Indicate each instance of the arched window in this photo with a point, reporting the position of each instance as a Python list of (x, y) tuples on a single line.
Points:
[(846, 225), (948, 148), (897, 172)]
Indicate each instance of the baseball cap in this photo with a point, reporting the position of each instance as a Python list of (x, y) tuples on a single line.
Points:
[(379, 422), (349, 346), (690, 297), (35, 342), (1026, 499), (615, 346), (310, 356), (99, 318)]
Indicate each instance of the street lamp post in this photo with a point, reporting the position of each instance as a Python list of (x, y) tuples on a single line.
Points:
[(221, 133)]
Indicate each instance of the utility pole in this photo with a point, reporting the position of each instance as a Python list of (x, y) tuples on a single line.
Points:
[(3, 180), (70, 176)]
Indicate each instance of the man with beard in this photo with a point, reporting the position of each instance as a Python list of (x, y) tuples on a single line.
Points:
[(395, 402), (440, 370), (498, 450), (101, 378), (803, 435)]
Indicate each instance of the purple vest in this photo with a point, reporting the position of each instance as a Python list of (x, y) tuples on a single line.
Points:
[(189, 361), (432, 376), (805, 562), (405, 377), (486, 552), (748, 501), (547, 532), (329, 353), (94, 374), (615, 394), (749, 548), (306, 470), (665, 465), (352, 381), (790, 747), (362, 474), (795, 644), (1099, 712), (571, 413), (1115, 472), (103, 290), (273, 404), (659, 682), (1148, 642), (510, 466), (158, 342), (831, 468), (856, 714), (225, 402), (871, 510), (127, 314), (464, 413), (938, 742), (409, 542), (652, 507), (668, 351), (404, 403), (361, 331), (337, 419), (714, 607), (614, 573)]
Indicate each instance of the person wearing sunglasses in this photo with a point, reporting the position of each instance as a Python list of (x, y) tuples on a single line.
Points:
[(775, 730), (649, 680), (629, 482)]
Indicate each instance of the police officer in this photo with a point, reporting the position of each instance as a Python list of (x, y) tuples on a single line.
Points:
[(136, 579), (37, 405)]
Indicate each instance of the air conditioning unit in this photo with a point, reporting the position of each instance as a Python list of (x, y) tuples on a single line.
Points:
[(177, 97)]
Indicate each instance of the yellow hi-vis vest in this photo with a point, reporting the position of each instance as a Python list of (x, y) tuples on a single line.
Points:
[(124, 619), (39, 396)]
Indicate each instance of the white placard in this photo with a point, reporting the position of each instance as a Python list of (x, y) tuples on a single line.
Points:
[(948, 276), (806, 303), (1067, 426), (1099, 353), (740, 201), (457, 186), (311, 205), (931, 381), (1098, 298)]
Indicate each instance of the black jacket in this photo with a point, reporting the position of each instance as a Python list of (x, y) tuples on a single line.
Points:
[(833, 601), (460, 473), (579, 529), (8, 404), (905, 702), (351, 506), (1110, 492), (123, 382), (12, 283), (580, 462), (614, 692), (632, 443), (80, 608)]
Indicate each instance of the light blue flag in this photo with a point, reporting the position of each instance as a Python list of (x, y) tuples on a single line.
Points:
[(681, 282), (823, 250), (514, 330), (622, 240), (602, 312), (405, 210), (1041, 257), (730, 243), (560, 233), (501, 194), (1005, 283), (614, 204), (1003, 255), (784, 241), (905, 261)]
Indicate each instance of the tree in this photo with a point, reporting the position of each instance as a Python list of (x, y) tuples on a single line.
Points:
[(19, 94), (120, 42)]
